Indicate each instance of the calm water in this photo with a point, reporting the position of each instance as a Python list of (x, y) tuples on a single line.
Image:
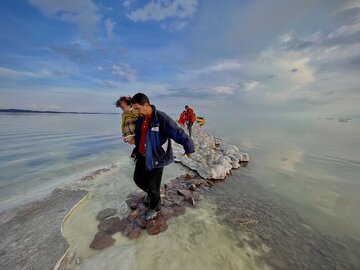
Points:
[(41, 151), (312, 164)]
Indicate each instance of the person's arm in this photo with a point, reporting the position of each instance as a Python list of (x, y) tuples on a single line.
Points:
[(176, 133)]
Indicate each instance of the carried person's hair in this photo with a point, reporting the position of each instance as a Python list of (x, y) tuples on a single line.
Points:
[(126, 99), (140, 98)]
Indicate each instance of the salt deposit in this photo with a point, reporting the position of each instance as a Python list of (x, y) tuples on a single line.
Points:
[(213, 159)]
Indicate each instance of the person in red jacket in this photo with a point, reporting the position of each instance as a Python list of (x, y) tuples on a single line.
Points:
[(182, 119), (190, 118)]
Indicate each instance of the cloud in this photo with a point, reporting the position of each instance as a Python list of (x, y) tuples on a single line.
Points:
[(83, 13), (128, 3), (345, 30), (109, 26), (123, 71), (249, 85), (175, 26), (347, 17), (14, 74), (225, 90), (162, 9), (111, 84)]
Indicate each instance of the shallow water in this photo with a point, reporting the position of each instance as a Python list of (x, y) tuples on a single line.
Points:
[(312, 165)]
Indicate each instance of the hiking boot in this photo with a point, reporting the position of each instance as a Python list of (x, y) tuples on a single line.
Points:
[(151, 214)]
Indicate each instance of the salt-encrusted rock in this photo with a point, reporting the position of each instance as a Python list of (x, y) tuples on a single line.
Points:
[(108, 212), (112, 225), (101, 240), (212, 159)]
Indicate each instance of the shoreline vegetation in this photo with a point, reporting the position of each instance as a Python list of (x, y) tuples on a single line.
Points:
[(55, 112)]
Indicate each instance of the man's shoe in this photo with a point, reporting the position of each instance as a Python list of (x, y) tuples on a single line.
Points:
[(151, 214)]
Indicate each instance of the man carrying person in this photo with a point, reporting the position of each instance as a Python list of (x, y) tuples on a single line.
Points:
[(154, 131)]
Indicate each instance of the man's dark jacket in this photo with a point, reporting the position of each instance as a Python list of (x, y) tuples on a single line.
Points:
[(162, 128)]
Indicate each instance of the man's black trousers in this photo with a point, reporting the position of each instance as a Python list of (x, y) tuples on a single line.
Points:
[(149, 181)]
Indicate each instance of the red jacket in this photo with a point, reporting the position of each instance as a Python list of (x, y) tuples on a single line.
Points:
[(182, 118), (190, 115)]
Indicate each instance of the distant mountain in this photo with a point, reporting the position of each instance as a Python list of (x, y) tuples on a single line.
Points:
[(31, 111)]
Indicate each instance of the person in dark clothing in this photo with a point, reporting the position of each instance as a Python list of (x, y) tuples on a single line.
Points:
[(154, 131)]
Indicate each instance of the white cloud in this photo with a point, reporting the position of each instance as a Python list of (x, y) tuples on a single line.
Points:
[(220, 66), (123, 71), (226, 90), (111, 84), (109, 26), (162, 9), (345, 30), (176, 26), (14, 74), (83, 13), (128, 3), (250, 85)]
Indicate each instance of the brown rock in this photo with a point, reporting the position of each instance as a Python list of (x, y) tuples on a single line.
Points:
[(101, 240), (190, 200), (167, 212), (209, 183), (179, 210), (156, 225), (196, 196), (108, 212), (184, 192), (135, 233), (140, 222), (167, 203), (112, 225), (133, 205), (192, 187), (189, 176), (168, 186), (134, 214), (129, 227)]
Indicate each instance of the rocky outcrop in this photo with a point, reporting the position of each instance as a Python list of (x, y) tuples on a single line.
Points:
[(181, 192), (213, 159)]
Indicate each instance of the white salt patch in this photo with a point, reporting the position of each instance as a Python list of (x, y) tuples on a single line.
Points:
[(213, 159)]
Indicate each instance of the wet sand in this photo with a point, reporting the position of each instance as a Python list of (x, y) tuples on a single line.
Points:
[(31, 234)]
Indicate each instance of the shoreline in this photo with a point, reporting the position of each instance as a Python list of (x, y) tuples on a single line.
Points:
[(25, 244)]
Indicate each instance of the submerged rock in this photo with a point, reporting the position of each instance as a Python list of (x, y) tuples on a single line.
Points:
[(156, 225), (108, 212), (101, 240), (112, 225)]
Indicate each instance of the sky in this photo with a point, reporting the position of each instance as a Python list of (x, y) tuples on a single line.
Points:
[(239, 57)]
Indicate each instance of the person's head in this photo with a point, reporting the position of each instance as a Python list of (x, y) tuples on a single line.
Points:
[(124, 103), (141, 104), (184, 111), (186, 107)]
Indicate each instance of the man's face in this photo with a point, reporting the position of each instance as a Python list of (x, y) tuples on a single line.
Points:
[(141, 109)]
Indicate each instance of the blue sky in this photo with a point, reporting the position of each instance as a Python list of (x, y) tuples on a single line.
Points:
[(239, 57)]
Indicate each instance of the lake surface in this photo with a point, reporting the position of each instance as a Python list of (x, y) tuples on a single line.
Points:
[(311, 165)]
